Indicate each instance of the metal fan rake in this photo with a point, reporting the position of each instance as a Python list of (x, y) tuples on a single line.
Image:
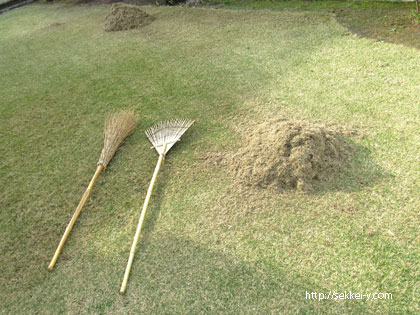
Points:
[(163, 136)]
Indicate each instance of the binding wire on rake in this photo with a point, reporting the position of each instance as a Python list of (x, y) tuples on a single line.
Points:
[(167, 131)]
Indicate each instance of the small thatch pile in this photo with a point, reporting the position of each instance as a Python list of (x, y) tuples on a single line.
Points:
[(284, 154), (123, 17)]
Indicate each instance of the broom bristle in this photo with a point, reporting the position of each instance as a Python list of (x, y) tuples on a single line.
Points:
[(117, 127), (169, 131)]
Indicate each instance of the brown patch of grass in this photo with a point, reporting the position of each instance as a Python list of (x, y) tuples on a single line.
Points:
[(52, 26)]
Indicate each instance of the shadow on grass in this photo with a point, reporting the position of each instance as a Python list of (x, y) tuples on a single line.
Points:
[(394, 25), (177, 274), (361, 171), (174, 275)]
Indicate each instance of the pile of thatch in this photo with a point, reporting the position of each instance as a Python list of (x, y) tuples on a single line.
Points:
[(123, 17), (283, 154)]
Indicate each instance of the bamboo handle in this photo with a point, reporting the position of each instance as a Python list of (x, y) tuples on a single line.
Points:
[(75, 215), (142, 215)]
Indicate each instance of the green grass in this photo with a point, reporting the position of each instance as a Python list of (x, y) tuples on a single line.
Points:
[(204, 249), (389, 21), (305, 5)]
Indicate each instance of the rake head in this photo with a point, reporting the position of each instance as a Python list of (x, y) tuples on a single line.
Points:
[(167, 131)]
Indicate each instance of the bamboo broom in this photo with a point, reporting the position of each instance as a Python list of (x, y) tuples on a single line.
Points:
[(117, 127), (163, 136)]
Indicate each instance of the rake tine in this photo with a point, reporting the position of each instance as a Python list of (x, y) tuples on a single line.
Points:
[(163, 136)]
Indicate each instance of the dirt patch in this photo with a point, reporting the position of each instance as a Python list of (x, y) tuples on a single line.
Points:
[(124, 17), (55, 25), (283, 154), (392, 25), (51, 26)]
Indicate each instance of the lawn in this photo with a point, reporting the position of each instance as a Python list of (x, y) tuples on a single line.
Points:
[(205, 247)]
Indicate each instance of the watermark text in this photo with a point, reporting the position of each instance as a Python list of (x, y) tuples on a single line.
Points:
[(347, 295)]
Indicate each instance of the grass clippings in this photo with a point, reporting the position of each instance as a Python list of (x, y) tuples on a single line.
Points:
[(124, 17), (284, 154)]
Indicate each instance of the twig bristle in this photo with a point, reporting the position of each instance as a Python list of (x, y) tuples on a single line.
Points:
[(117, 127)]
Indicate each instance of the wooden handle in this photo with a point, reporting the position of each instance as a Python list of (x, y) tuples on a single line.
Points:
[(142, 215), (75, 215)]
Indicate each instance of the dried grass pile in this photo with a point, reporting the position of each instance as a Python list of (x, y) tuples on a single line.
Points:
[(283, 154), (123, 17)]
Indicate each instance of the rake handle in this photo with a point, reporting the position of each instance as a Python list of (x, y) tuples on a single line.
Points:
[(140, 224), (75, 215)]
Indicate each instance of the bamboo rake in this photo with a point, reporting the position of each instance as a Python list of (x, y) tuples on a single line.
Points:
[(163, 136), (140, 224)]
